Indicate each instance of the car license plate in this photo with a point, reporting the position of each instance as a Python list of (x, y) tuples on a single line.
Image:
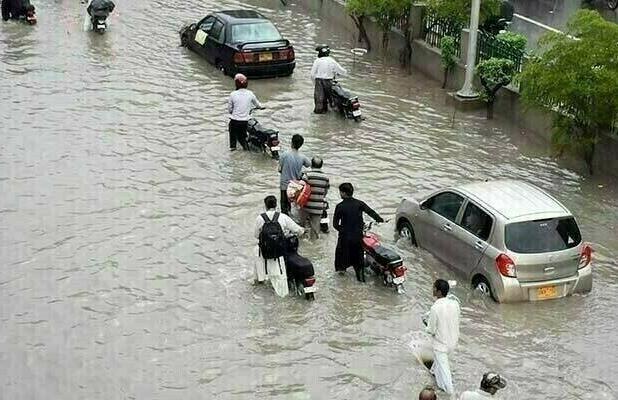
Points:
[(356, 113), (266, 57), (547, 292), (399, 280), (100, 26), (310, 289), (275, 148)]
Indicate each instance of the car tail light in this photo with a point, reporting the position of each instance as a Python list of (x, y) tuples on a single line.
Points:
[(309, 281), (585, 256), (506, 266), (239, 58), (400, 271)]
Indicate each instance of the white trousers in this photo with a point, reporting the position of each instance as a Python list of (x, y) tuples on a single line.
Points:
[(441, 369), (273, 271)]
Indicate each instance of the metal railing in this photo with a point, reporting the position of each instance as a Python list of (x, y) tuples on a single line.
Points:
[(489, 46), (435, 29)]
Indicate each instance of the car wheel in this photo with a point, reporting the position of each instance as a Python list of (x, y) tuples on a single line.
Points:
[(407, 232), (221, 67), (483, 287)]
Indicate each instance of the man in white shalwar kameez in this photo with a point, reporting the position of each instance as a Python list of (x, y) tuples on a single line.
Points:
[(443, 327), (274, 270)]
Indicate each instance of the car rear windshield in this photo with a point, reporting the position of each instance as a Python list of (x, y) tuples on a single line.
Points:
[(543, 235), (255, 32)]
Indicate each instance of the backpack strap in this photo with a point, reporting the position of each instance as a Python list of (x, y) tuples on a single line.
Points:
[(265, 217), (276, 216)]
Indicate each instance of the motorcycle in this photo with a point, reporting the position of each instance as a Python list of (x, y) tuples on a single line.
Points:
[(99, 24), (346, 103), (30, 16), (301, 276), (99, 10), (262, 139), (383, 261)]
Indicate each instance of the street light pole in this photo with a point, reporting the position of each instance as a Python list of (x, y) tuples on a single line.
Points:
[(467, 91)]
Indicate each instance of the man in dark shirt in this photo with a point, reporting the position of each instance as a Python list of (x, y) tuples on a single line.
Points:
[(348, 221)]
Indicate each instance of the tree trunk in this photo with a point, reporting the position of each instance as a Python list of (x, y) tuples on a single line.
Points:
[(589, 157), (445, 78), (406, 55), (490, 109), (385, 40), (362, 33)]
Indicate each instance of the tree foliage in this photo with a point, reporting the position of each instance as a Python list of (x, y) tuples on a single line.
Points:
[(576, 76), (494, 74), (385, 12), (459, 10), (516, 40), (448, 54)]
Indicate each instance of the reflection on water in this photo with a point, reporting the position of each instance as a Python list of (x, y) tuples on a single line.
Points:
[(126, 227)]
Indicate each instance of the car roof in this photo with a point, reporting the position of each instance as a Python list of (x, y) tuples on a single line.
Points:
[(514, 199), (240, 16)]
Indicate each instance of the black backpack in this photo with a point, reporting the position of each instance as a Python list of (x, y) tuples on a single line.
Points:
[(272, 238)]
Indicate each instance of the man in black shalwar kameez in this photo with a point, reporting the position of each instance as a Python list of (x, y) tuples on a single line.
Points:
[(348, 221)]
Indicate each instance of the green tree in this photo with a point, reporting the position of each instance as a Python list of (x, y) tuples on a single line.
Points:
[(576, 77), (387, 13), (458, 11), (494, 74), (360, 11), (448, 53), (515, 40)]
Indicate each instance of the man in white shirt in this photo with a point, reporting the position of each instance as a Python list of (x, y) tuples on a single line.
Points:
[(239, 106), (443, 326), (324, 70), (274, 269), (490, 384)]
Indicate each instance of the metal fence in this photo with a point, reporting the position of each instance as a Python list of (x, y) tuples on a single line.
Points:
[(435, 29), (489, 46)]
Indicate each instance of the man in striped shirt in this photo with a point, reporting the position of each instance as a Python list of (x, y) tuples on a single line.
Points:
[(316, 205)]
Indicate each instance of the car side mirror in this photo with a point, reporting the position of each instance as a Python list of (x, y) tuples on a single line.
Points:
[(424, 205)]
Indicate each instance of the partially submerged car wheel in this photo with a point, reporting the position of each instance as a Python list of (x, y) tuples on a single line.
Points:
[(219, 65), (406, 232), (481, 285)]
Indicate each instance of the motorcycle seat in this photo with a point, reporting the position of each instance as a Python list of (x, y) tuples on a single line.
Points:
[(298, 267), (386, 256), (341, 92)]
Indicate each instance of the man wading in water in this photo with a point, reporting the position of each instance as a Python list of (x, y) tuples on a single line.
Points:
[(324, 70), (348, 221), (239, 105)]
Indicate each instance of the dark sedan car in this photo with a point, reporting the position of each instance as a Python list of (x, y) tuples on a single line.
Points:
[(240, 41)]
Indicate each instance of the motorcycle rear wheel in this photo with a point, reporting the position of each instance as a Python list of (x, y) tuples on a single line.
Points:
[(400, 289), (275, 155), (310, 296)]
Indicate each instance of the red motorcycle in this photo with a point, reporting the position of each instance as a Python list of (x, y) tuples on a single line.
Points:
[(383, 261)]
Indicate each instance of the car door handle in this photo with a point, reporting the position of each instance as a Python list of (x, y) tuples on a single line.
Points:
[(479, 245), (447, 227)]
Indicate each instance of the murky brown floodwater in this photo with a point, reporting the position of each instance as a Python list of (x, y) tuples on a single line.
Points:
[(126, 228)]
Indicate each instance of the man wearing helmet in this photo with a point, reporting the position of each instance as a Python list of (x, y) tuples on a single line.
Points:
[(490, 384), (322, 73), (239, 105)]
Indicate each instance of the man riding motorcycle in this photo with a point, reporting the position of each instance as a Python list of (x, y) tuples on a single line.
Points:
[(16, 9), (100, 8)]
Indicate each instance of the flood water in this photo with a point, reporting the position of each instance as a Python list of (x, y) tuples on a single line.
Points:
[(126, 227)]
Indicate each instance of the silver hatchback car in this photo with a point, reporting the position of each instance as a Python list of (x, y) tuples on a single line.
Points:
[(510, 239)]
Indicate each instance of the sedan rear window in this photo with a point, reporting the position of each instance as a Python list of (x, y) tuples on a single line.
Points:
[(543, 235), (255, 32)]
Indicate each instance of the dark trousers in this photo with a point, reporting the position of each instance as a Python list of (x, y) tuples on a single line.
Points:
[(286, 207), (238, 132), (322, 95)]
